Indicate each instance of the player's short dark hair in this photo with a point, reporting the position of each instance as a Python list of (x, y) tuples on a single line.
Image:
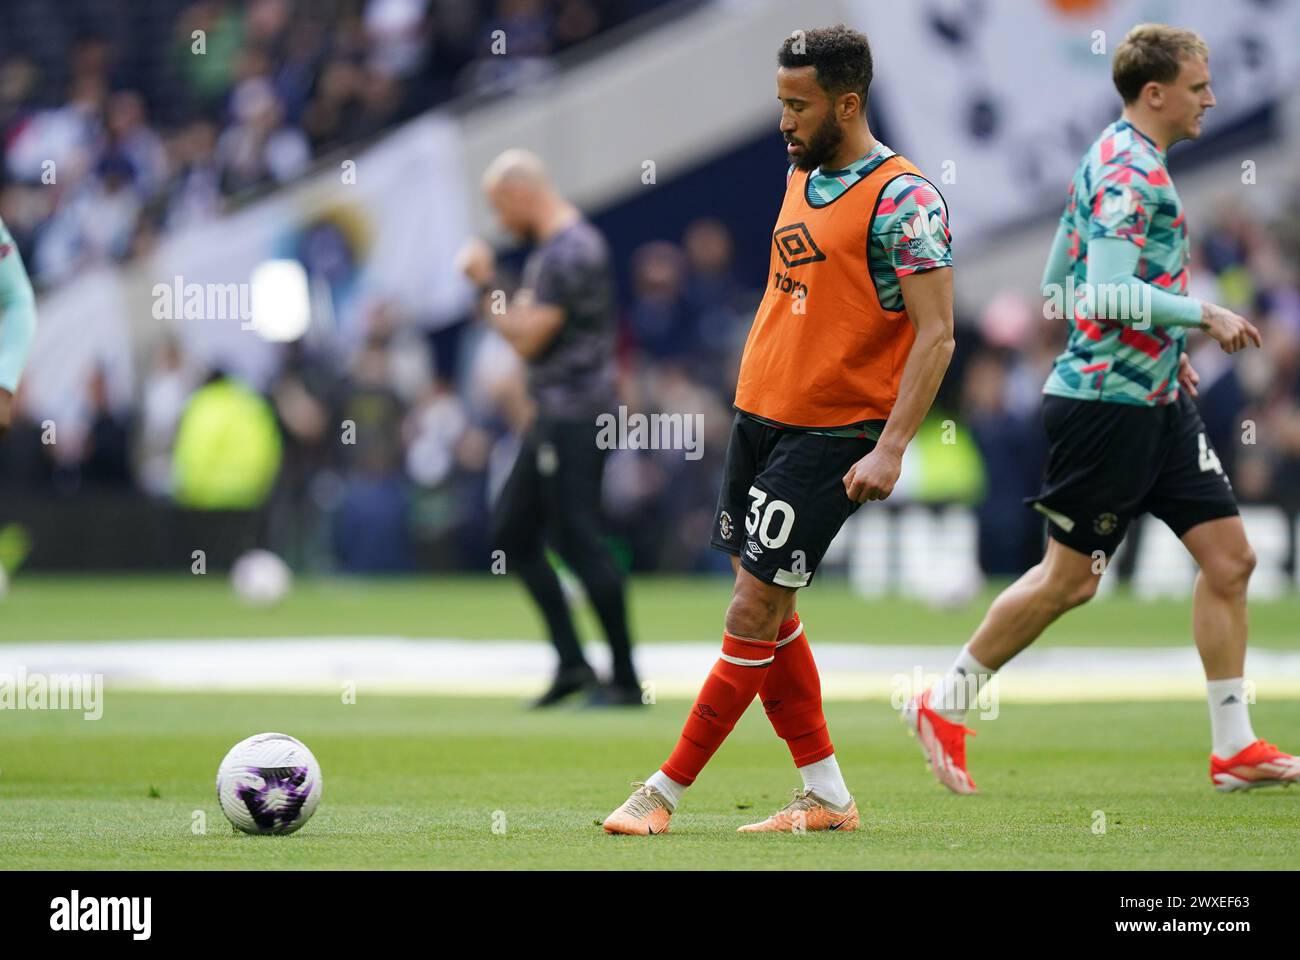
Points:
[(842, 57), (1153, 52)]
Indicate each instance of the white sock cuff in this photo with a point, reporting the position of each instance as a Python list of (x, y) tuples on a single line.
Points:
[(1230, 729), (667, 787), (968, 663), (824, 779), (1221, 688)]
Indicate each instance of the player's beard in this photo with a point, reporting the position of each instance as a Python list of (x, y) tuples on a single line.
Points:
[(825, 140)]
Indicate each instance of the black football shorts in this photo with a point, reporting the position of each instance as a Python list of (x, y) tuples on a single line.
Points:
[(1109, 462), (782, 500)]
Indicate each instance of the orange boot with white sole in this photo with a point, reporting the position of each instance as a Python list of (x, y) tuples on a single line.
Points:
[(942, 741), (644, 814), (807, 811), (1260, 765)]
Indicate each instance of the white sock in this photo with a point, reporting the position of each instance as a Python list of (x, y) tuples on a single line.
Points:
[(957, 691), (667, 787), (1230, 726), (824, 779)]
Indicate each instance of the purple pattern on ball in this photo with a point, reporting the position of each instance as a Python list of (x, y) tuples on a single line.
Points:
[(291, 782)]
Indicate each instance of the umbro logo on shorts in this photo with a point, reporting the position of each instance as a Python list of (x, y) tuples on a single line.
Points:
[(753, 550)]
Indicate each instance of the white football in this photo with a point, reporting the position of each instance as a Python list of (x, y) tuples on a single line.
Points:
[(260, 578), (269, 783)]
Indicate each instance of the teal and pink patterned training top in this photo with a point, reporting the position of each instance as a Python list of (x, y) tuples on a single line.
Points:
[(909, 229), (1122, 190), (899, 245)]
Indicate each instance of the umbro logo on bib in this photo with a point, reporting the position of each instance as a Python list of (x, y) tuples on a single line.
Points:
[(795, 245)]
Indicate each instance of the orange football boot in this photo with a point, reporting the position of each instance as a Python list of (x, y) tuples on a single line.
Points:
[(806, 811), (645, 813), (1260, 765), (943, 743)]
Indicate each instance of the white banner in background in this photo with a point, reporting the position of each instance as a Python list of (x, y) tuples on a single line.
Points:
[(996, 100), (81, 327), (389, 234)]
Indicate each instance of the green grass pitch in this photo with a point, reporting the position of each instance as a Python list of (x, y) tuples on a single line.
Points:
[(419, 782), (414, 782), (663, 609)]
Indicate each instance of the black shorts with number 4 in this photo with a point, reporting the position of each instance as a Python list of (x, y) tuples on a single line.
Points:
[(1109, 462), (782, 500)]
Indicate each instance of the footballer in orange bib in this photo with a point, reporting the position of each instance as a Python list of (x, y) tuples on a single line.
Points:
[(846, 353), (824, 352)]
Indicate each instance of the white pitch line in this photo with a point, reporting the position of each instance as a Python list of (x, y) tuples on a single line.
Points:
[(520, 668)]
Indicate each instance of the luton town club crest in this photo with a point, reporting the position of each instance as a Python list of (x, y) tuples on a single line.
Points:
[(1105, 524)]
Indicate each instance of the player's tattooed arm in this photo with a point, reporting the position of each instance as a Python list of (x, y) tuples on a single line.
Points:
[(526, 324), (928, 298), (1230, 331)]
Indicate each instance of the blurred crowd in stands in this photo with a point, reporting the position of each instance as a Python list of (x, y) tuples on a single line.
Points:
[(118, 120), (434, 415)]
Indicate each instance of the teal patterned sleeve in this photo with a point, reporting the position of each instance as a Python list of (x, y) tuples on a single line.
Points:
[(17, 313), (1058, 259), (910, 234)]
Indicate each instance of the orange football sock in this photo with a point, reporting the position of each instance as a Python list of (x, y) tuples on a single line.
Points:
[(728, 691), (792, 696)]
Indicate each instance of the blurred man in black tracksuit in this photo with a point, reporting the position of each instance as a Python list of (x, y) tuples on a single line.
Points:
[(562, 322)]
